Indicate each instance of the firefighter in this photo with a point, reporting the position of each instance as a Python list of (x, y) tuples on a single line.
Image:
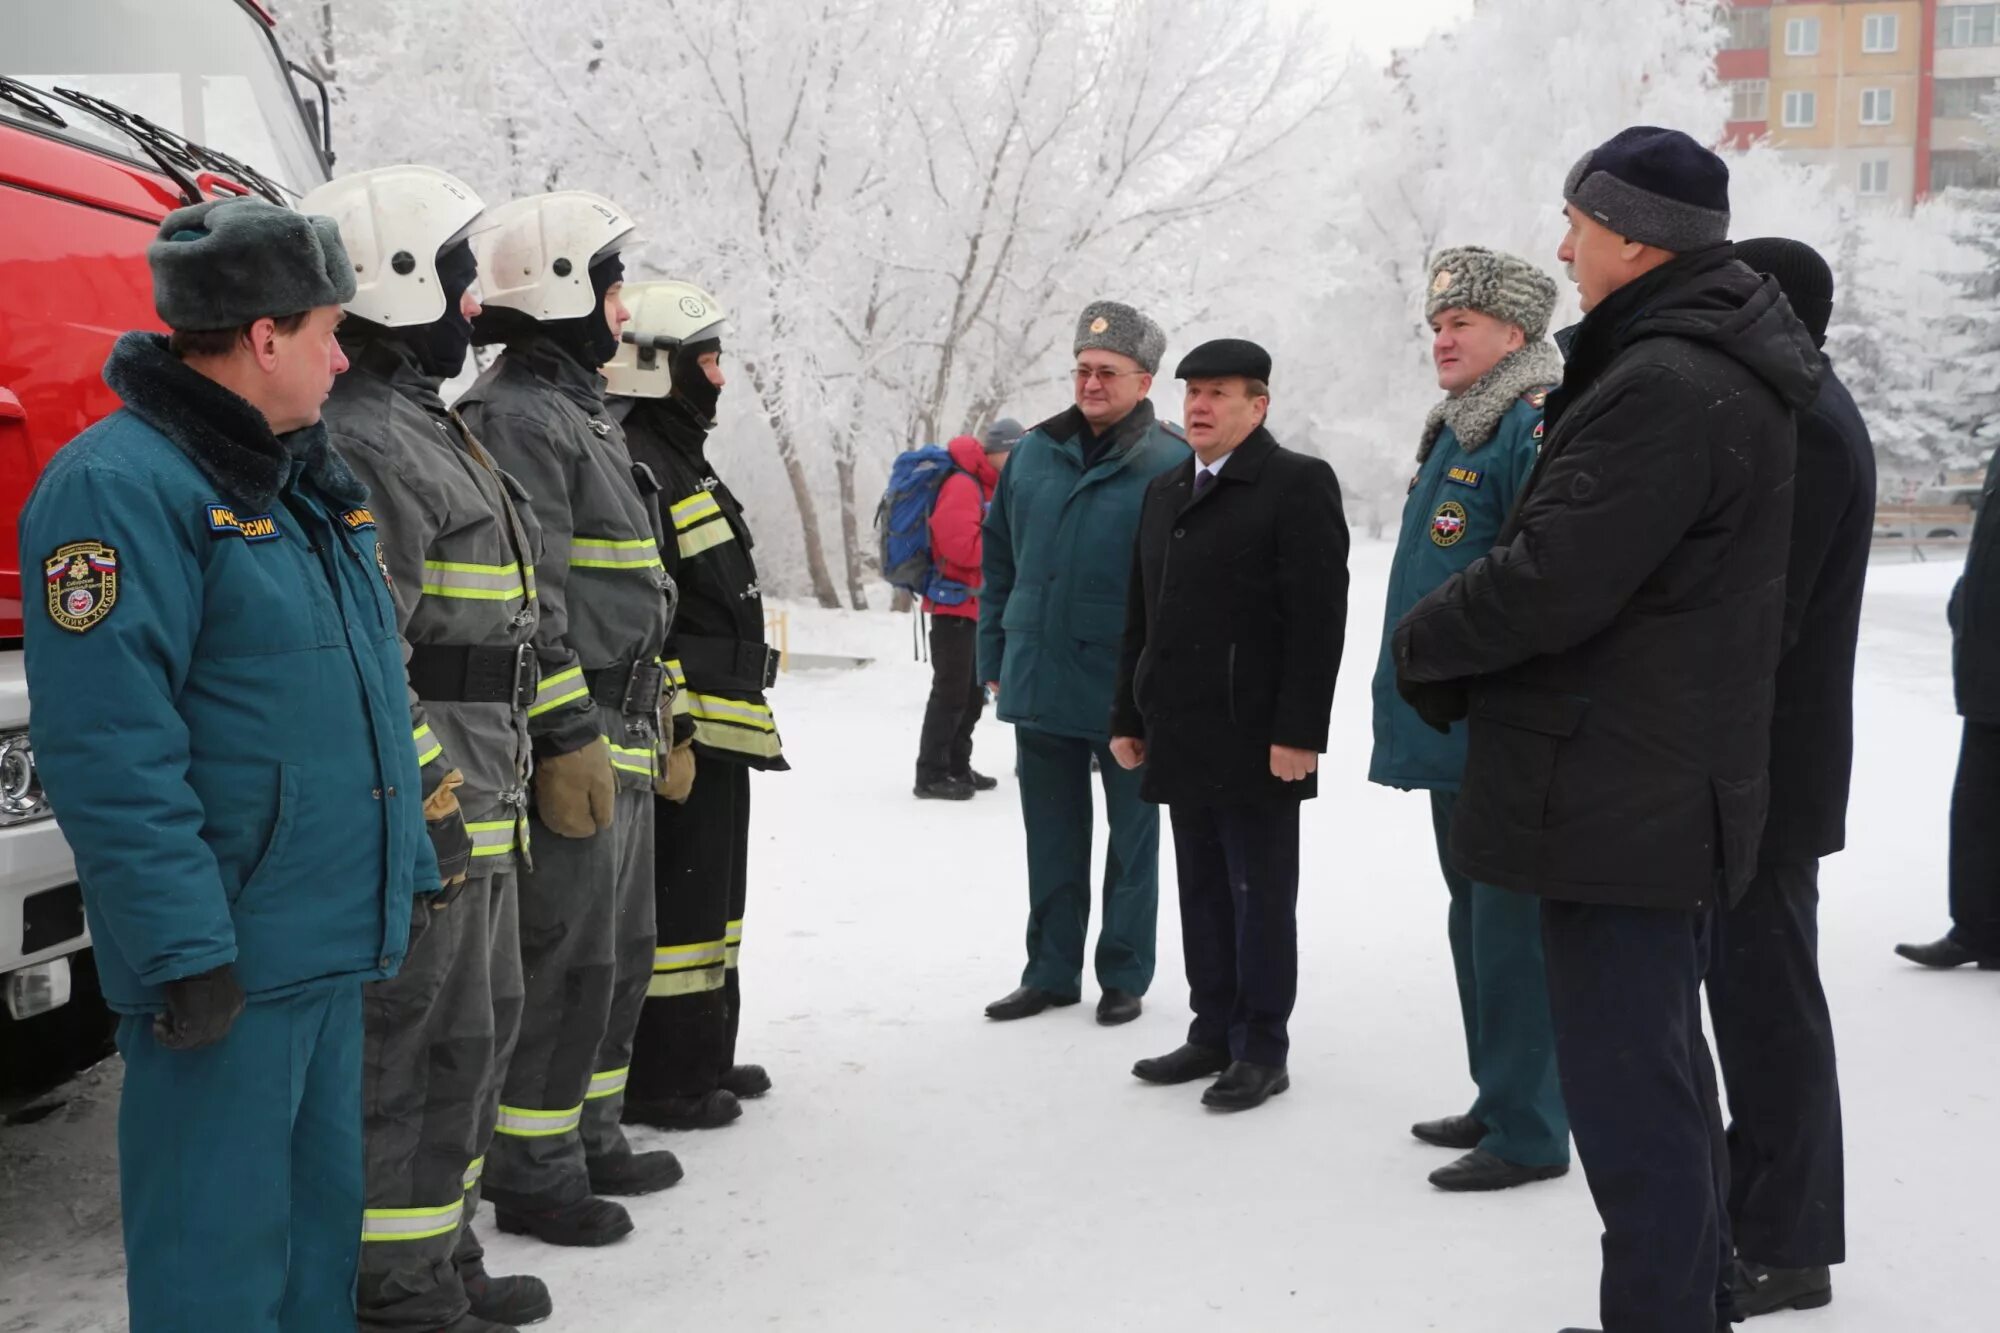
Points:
[(219, 720), (666, 383), (461, 573), (551, 288)]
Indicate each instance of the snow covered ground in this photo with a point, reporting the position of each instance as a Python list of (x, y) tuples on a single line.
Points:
[(920, 1168)]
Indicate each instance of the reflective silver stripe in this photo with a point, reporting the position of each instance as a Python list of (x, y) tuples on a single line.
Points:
[(694, 509), (697, 982), (559, 689), (380, 1224), (710, 534), (473, 1171), (480, 583), (429, 746), (525, 1124), (608, 1084), (734, 942), (738, 711), (679, 957), (626, 759), (602, 553), (492, 837)]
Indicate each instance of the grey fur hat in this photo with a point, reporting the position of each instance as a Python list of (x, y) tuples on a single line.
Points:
[(1112, 327), (1469, 277), (231, 262)]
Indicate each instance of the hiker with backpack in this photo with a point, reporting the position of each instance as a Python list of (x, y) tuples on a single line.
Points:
[(944, 752)]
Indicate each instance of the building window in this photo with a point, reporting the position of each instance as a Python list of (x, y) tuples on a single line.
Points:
[(1748, 30), (1961, 99), (1875, 177), (1963, 170), (1801, 110), (1969, 25), (1801, 37), (1749, 99), (1878, 106), (1878, 34)]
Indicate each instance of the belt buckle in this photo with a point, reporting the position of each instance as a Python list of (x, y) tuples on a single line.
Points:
[(527, 675)]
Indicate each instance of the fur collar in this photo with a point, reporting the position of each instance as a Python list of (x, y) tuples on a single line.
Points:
[(1475, 414), (223, 435)]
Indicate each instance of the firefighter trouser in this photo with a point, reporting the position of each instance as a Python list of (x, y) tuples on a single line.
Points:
[(239, 1169), (586, 948), (504, 970), (436, 1034), (687, 1035)]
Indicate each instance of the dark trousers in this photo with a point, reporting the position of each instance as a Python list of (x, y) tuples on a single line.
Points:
[(1054, 773), (687, 1031), (957, 699), (1239, 881), (1774, 1039), (1625, 994), (1975, 841), (1503, 996)]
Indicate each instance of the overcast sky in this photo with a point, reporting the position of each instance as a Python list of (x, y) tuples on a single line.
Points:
[(1380, 26)]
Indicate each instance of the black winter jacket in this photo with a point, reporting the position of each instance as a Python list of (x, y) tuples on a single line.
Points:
[(1620, 643), (1975, 612)]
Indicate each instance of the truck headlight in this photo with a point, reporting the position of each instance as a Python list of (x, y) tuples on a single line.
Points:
[(21, 798)]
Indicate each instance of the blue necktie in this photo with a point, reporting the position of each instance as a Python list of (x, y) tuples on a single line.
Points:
[(1203, 479)]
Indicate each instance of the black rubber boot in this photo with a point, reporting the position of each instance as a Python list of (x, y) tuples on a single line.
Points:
[(746, 1081), (513, 1301), (585, 1224), (711, 1111), (634, 1173)]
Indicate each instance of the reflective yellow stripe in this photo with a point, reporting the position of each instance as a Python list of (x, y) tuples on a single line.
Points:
[(480, 583), (601, 553), (525, 1124), (429, 746), (559, 689), (694, 509), (528, 580), (626, 759), (698, 982), (680, 957), (738, 740), (608, 1084), (379, 1224), (734, 937), (677, 675), (738, 711), (492, 837), (473, 1171), (708, 535)]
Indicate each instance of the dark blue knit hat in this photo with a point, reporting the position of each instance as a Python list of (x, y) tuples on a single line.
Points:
[(1654, 186)]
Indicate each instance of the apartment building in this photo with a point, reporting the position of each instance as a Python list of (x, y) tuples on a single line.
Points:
[(1881, 91)]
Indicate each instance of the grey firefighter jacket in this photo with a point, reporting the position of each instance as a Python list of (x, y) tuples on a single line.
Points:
[(461, 570), (599, 581)]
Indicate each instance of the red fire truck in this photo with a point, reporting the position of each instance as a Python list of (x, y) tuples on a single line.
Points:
[(112, 114)]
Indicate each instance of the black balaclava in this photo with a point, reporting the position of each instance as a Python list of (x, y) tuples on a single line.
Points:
[(589, 338), (441, 345), (690, 381)]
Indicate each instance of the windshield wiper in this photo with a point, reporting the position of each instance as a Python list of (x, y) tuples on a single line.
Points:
[(29, 99), (175, 154)]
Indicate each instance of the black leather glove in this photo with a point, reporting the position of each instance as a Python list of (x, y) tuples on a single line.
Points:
[(1438, 703), (200, 1010)]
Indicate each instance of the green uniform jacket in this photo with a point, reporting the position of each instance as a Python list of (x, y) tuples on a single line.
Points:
[(1058, 556)]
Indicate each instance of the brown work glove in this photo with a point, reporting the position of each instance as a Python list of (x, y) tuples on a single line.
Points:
[(449, 837), (576, 793), (676, 778)]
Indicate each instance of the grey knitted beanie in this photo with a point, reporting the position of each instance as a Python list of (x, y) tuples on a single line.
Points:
[(1469, 277), (231, 262), (1111, 327), (1655, 186)]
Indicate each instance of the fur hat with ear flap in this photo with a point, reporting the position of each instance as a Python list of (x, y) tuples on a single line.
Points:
[(1469, 277), (231, 262)]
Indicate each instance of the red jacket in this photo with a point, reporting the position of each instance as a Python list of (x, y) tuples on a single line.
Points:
[(956, 522)]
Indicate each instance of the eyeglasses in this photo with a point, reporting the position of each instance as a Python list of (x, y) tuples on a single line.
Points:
[(1108, 378)]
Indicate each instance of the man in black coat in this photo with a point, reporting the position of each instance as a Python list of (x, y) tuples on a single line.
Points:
[(1616, 653), (1773, 1035), (1975, 794), (1235, 616)]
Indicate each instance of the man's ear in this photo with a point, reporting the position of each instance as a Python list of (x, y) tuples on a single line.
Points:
[(263, 340)]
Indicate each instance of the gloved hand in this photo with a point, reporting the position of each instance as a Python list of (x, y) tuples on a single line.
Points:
[(576, 794), (676, 778), (1438, 703), (200, 1010), (449, 837)]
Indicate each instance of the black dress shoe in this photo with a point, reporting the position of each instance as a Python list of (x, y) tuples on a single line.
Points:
[(711, 1110), (1245, 1085), (1722, 1326), (1117, 1006), (512, 1301), (746, 1081), (1947, 953), (1760, 1290), (1026, 1003), (1454, 1131), (587, 1222), (942, 789), (1480, 1170), (976, 780), (1185, 1065), (631, 1174)]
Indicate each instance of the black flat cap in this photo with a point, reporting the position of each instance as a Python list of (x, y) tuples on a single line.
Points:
[(1226, 358)]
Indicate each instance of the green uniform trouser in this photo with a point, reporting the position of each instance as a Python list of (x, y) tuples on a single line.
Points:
[(1054, 772), (586, 955), (436, 1036), (1496, 945)]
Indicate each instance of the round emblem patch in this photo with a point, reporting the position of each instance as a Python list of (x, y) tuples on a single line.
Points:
[(692, 307), (1448, 523), (82, 579), (1100, 324), (1442, 282)]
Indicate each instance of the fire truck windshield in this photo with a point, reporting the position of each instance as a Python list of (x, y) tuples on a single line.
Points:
[(205, 69)]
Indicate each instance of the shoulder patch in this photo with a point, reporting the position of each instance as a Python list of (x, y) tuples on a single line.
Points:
[(82, 579), (357, 519), (1539, 425), (1465, 476), (225, 522), (1448, 524)]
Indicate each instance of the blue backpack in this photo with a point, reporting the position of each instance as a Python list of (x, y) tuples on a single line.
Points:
[(903, 525)]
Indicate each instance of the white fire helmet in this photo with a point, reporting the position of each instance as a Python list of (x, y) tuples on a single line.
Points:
[(395, 222), (664, 315), (535, 253)]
